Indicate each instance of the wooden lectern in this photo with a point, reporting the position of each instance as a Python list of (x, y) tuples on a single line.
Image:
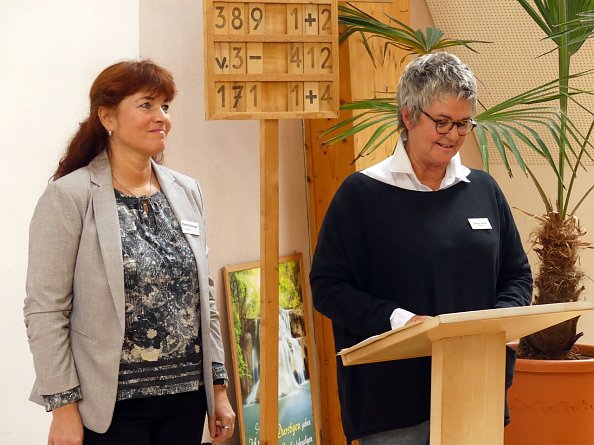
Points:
[(468, 364)]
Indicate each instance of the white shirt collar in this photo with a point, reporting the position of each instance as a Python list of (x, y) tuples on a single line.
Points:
[(397, 170)]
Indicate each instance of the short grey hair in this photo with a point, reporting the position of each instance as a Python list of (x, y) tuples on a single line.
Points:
[(430, 77)]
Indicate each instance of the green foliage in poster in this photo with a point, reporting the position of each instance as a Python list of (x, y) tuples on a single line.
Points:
[(238, 296), (289, 282), (245, 296)]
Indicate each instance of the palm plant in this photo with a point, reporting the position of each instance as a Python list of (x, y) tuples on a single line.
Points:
[(522, 119), (558, 238)]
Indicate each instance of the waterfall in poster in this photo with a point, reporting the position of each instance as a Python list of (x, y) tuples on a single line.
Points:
[(295, 402), (291, 363)]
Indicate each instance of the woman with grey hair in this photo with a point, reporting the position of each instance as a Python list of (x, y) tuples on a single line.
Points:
[(411, 237)]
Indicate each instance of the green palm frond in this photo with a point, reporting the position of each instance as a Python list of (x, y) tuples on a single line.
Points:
[(400, 36), (380, 112), (571, 27), (579, 30), (543, 14), (506, 129), (545, 199), (580, 23), (524, 119), (583, 150)]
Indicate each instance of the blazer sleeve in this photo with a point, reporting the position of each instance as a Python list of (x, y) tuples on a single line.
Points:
[(54, 237), (216, 339)]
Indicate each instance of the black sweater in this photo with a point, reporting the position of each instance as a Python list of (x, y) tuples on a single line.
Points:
[(382, 247)]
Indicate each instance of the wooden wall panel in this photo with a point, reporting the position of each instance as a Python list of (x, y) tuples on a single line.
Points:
[(326, 167)]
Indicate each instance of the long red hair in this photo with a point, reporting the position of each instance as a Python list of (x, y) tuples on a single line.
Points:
[(114, 84)]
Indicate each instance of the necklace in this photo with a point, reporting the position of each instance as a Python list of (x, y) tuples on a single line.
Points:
[(144, 201)]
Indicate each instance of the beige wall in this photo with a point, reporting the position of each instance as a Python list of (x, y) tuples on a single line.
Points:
[(51, 52), (521, 193), (222, 155)]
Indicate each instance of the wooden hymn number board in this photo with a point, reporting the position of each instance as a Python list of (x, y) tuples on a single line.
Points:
[(271, 59)]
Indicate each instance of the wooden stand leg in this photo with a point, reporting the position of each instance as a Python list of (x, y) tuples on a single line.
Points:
[(467, 392), (269, 228)]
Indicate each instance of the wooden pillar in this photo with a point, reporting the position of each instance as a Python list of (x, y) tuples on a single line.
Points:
[(269, 228), (270, 60)]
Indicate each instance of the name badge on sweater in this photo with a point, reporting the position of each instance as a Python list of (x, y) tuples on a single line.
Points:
[(190, 227), (479, 223)]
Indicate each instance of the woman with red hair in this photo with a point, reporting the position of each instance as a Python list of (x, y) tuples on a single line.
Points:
[(120, 308)]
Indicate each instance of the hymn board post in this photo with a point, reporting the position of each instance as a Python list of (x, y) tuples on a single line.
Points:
[(270, 60)]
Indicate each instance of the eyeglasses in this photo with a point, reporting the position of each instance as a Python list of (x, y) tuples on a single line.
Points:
[(444, 126)]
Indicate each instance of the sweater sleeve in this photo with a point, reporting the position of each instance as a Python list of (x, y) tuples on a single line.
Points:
[(338, 260), (514, 283)]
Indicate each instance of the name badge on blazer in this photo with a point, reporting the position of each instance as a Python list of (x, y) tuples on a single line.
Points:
[(480, 223), (190, 227)]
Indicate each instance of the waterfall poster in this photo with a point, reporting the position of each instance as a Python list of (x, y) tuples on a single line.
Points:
[(295, 403)]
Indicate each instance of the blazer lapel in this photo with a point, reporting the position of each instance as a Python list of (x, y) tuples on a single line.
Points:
[(183, 210), (108, 231), (178, 200)]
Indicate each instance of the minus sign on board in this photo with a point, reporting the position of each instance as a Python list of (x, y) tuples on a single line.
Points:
[(255, 57)]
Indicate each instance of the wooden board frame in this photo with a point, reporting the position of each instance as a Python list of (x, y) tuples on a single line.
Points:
[(288, 434), (257, 67)]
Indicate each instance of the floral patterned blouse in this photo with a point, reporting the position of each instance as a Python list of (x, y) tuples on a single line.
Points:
[(161, 353)]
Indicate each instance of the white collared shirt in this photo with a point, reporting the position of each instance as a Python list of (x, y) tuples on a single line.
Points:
[(397, 170)]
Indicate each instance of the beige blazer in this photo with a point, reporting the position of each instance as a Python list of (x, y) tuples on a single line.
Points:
[(74, 309)]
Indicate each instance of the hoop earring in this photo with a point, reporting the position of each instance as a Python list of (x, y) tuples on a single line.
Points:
[(109, 133)]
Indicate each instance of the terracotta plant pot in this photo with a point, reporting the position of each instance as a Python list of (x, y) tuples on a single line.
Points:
[(551, 402)]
